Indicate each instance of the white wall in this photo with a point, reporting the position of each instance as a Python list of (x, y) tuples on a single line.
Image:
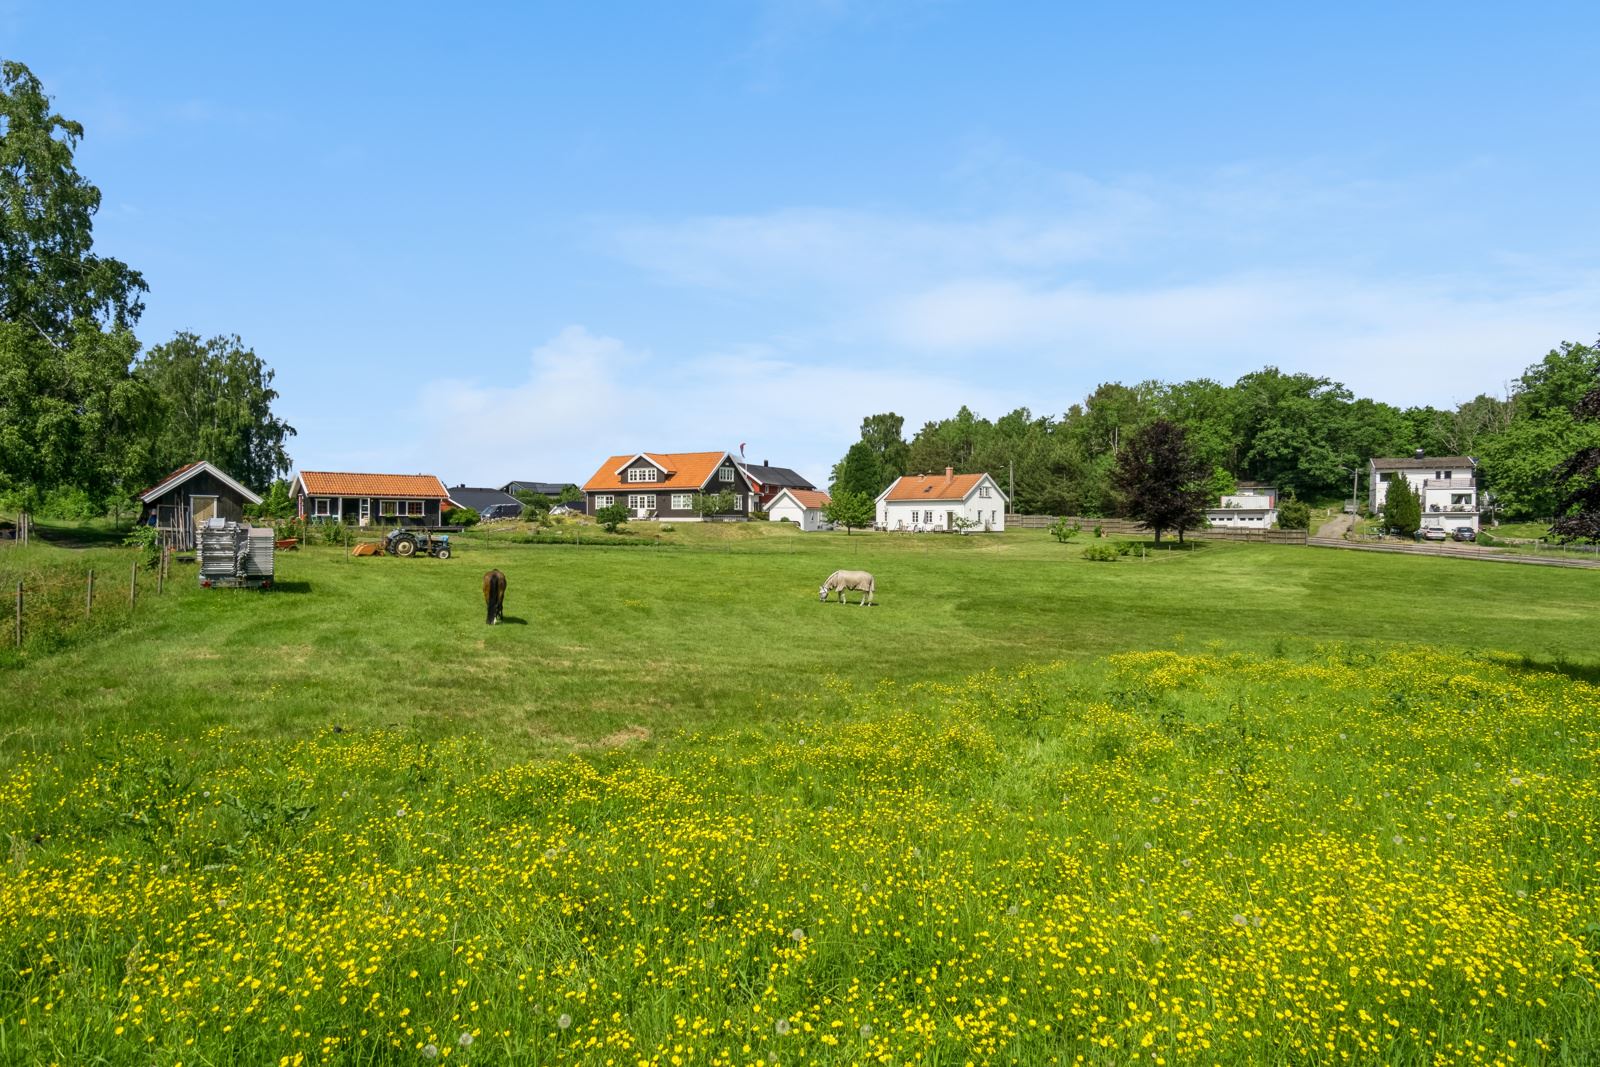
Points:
[(988, 512), (808, 519)]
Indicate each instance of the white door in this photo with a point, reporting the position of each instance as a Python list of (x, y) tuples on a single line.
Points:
[(366, 510)]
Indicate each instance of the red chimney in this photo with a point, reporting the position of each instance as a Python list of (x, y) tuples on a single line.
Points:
[(949, 472)]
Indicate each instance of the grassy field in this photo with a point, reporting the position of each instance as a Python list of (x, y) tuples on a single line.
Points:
[(1234, 804)]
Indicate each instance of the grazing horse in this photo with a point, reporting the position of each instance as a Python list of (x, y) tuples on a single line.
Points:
[(494, 595), (846, 580)]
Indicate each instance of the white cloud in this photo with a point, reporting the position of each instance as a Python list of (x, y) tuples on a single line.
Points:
[(587, 396)]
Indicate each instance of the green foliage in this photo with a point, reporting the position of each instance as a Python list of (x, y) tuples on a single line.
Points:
[(51, 282), (147, 541), (852, 510), (276, 503), (570, 494), (611, 517), (1102, 552), (535, 506), (1221, 483), (68, 502), (1063, 531), (1294, 514), (461, 517), (713, 503), (215, 402), (861, 472), (1402, 508)]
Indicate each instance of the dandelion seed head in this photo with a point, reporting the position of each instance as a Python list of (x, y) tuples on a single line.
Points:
[(1239, 919), (797, 935), (866, 1031), (782, 1026), (1013, 910), (564, 1020), (465, 1040), (429, 1051)]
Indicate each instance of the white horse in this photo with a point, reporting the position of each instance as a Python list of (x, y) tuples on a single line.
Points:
[(846, 580)]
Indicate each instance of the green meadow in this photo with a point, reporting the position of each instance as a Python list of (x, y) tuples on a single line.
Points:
[(1223, 803)]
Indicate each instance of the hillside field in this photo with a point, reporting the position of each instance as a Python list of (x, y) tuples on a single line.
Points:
[(1224, 804)]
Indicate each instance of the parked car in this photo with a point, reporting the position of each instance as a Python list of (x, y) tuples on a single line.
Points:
[(1433, 533), (1464, 533)]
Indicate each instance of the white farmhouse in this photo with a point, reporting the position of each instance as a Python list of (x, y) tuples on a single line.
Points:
[(1251, 506), (939, 502), (803, 507), (1447, 486)]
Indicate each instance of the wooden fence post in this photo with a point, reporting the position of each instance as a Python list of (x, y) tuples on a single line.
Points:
[(161, 573), (88, 596), (19, 614), (133, 585)]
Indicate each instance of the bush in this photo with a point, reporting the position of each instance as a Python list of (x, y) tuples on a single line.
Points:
[(1102, 553), (612, 516), (68, 502), (1487, 538), (461, 517), (1125, 548), (1099, 530), (148, 542), (1294, 515), (759, 516), (1064, 531)]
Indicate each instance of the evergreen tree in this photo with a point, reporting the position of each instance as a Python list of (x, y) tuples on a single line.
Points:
[(859, 472), (1402, 507)]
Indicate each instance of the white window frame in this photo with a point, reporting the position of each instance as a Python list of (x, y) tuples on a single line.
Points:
[(643, 474), (725, 474), (388, 509), (322, 507), (983, 491), (604, 500), (682, 501), (415, 509), (927, 518), (641, 501)]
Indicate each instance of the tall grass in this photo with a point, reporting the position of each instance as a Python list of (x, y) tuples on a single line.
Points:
[(1352, 855)]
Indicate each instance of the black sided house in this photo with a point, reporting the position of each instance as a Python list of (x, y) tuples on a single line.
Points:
[(663, 485), (370, 499), (181, 502), (490, 504), (546, 489)]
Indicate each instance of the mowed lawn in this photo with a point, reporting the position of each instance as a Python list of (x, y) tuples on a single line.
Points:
[(719, 626)]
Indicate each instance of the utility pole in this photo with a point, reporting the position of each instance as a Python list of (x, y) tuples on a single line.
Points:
[(1011, 484)]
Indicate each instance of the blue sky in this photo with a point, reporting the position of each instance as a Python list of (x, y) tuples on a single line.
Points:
[(505, 242)]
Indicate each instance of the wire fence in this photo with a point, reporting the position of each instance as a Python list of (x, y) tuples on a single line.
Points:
[(48, 607)]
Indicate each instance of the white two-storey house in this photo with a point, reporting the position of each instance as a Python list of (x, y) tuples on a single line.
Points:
[(1446, 485)]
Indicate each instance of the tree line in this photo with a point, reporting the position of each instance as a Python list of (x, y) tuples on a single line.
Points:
[(1307, 435), (88, 417)]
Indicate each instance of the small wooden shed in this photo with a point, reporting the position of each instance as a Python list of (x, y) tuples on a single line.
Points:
[(181, 502)]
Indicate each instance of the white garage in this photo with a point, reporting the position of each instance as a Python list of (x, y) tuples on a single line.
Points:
[(803, 507)]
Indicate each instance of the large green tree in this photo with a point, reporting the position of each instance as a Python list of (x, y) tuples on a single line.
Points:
[(50, 277), (859, 472), (1160, 479), (215, 402)]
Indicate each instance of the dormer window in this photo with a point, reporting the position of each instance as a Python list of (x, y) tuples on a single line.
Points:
[(643, 474), (725, 474)]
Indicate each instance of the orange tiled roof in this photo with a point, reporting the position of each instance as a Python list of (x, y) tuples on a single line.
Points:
[(338, 483), (808, 498), (685, 470), (163, 481), (933, 486)]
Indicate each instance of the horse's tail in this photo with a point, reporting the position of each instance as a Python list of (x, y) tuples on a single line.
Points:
[(494, 595)]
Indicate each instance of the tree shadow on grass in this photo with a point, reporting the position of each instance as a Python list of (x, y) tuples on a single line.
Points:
[(1578, 672), (291, 587)]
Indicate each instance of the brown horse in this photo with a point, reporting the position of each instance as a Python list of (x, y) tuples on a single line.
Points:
[(494, 595)]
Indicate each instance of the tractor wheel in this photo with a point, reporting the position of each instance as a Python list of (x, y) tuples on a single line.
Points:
[(404, 546), (443, 553)]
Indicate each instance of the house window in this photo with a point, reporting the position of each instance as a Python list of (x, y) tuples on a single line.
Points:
[(1386, 476), (321, 507), (387, 508), (682, 501), (642, 501), (927, 517), (983, 491), (725, 474), (412, 509), (604, 500), (643, 474)]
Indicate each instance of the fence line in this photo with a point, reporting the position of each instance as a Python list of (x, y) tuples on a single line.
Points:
[(59, 605), (1133, 528)]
